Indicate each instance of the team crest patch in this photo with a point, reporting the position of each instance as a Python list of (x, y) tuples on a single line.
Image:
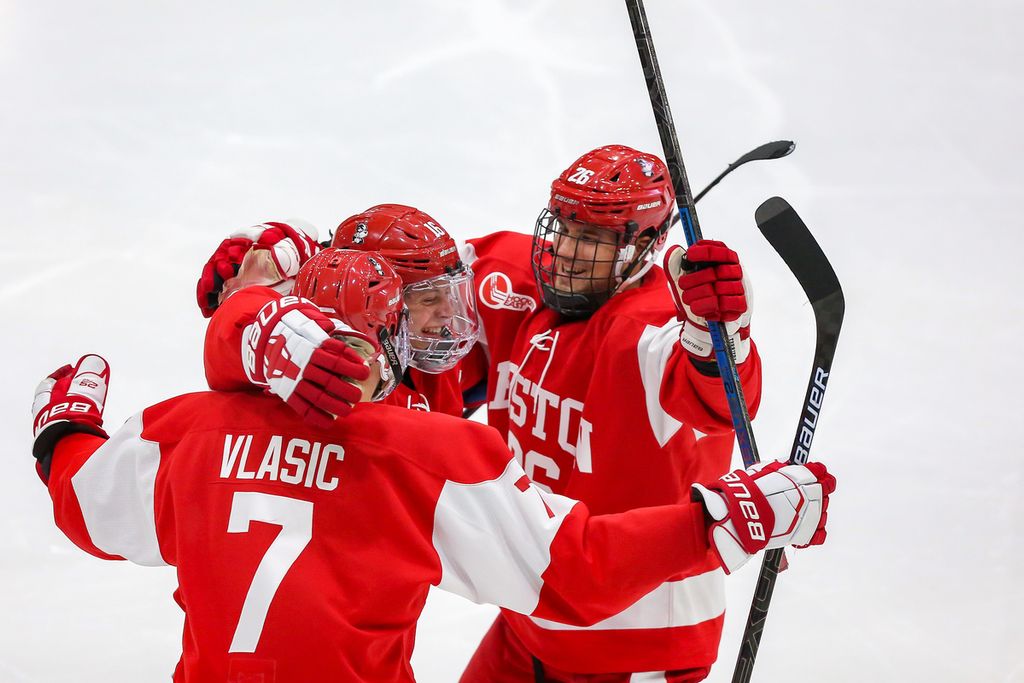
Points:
[(496, 292)]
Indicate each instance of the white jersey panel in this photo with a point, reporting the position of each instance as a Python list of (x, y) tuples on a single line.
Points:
[(115, 489), (687, 602), (653, 351), (494, 538)]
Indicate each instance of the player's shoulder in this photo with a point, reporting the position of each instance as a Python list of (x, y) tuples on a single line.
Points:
[(504, 251), (501, 263), (503, 245), (649, 303), (450, 447), (170, 420)]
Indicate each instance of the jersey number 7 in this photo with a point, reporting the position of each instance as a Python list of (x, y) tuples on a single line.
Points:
[(295, 518)]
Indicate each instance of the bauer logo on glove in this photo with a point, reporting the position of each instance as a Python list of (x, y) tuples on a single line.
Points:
[(68, 400), (766, 506)]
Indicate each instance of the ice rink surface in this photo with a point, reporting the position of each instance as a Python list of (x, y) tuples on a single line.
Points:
[(134, 135)]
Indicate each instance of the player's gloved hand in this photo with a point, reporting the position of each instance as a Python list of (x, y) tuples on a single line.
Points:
[(707, 283), (290, 243), (769, 505), (295, 352), (68, 400)]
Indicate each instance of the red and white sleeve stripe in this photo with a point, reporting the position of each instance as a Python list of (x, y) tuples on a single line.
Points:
[(510, 543), (104, 496)]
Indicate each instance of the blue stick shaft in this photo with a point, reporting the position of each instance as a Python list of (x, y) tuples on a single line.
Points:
[(726, 363)]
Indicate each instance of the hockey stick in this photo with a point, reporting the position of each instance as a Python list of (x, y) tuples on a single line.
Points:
[(769, 150), (691, 227), (790, 237)]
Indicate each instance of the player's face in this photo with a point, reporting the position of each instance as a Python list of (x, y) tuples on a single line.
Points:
[(369, 385), (584, 257), (430, 312)]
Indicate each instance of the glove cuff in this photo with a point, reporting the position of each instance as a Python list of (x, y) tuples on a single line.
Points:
[(46, 441), (696, 340)]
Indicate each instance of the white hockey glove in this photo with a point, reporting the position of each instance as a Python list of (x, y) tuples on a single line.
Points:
[(290, 244), (294, 351), (68, 400), (767, 506)]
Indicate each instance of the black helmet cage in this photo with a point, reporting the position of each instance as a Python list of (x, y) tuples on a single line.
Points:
[(586, 293)]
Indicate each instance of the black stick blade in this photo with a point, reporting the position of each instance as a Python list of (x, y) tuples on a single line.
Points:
[(769, 150), (788, 234)]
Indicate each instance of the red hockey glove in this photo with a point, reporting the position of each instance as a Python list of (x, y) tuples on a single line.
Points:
[(69, 400), (293, 350), (767, 506), (290, 244), (707, 283)]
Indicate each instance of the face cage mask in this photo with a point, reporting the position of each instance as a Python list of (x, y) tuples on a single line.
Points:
[(393, 357), (585, 293), (433, 354)]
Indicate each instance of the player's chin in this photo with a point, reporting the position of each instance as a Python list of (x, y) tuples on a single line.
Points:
[(572, 284)]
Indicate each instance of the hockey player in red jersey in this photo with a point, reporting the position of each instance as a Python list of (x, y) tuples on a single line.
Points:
[(590, 345), (305, 554), (438, 290), (588, 351)]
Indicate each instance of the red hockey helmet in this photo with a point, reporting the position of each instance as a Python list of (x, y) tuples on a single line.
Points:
[(614, 188), (438, 285), (413, 242), (364, 292)]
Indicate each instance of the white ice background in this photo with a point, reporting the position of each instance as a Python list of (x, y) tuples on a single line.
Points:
[(134, 135)]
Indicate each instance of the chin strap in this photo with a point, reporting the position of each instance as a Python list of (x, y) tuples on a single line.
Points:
[(628, 260)]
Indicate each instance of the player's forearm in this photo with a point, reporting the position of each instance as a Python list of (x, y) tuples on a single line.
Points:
[(712, 400), (70, 453), (692, 392), (602, 564)]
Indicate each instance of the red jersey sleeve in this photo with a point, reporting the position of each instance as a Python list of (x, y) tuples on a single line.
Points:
[(672, 383), (639, 328), (503, 540), (222, 351), (103, 492), (69, 455)]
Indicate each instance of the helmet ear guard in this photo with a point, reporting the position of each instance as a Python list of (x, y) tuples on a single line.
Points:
[(624, 260), (635, 263)]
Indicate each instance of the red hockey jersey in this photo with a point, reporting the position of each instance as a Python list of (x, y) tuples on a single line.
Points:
[(306, 555), (609, 411), (420, 390)]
